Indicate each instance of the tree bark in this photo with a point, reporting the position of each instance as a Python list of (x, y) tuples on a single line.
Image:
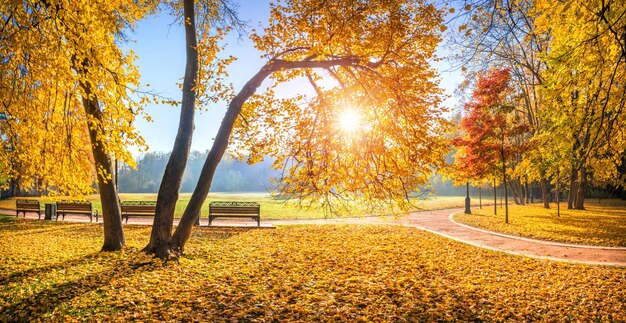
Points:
[(160, 237), (506, 198), (527, 193), (203, 186), (518, 195), (558, 194), (495, 197), (111, 212), (192, 212), (545, 196), (572, 189), (580, 190), (506, 192)]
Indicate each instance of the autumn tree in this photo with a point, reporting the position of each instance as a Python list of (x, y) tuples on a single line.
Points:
[(371, 58), (475, 159), (65, 87), (491, 130), (503, 33), (587, 64)]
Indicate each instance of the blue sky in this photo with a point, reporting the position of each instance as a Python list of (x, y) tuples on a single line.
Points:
[(160, 47)]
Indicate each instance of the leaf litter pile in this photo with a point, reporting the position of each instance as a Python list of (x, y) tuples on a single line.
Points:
[(54, 271)]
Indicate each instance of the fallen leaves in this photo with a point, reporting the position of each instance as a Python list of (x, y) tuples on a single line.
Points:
[(602, 223), (298, 273)]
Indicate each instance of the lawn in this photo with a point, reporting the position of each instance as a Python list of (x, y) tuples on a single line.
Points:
[(54, 272), (270, 208), (603, 223)]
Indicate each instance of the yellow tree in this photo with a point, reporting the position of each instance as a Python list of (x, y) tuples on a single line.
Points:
[(366, 63), (584, 85), (502, 34), (62, 69)]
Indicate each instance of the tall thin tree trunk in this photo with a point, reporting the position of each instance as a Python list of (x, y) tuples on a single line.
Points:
[(480, 197), (495, 197), (517, 192), (580, 191), (111, 212), (161, 235), (572, 189), (506, 192), (545, 196), (527, 193), (558, 194), (506, 198), (192, 212)]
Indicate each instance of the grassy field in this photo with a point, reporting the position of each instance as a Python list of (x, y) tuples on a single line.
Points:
[(270, 208), (603, 223), (54, 272)]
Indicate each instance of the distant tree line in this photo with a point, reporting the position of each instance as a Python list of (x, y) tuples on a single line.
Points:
[(231, 175)]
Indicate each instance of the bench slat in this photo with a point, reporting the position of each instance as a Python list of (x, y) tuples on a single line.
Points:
[(27, 206), (138, 208), (83, 208), (235, 209)]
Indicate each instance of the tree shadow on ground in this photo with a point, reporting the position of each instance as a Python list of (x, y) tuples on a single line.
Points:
[(34, 307), (32, 272), (43, 229)]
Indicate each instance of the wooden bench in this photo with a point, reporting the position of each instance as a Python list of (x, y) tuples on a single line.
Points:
[(27, 206), (138, 208), (235, 209), (80, 208)]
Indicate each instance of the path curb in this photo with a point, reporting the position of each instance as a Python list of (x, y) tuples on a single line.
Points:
[(560, 244)]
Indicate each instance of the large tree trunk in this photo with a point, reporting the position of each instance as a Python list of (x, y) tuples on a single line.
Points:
[(160, 237), (111, 212), (192, 212), (545, 195), (580, 190)]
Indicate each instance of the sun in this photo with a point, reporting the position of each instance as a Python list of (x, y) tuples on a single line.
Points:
[(349, 120)]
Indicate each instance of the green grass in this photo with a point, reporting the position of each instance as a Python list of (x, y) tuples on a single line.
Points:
[(603, 223), (270, 208), (54, 272)]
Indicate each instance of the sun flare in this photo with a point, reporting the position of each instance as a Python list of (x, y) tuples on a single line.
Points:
[(349, 120)]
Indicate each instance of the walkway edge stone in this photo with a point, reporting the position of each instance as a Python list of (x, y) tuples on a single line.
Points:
[(520, 254), (553, 243)]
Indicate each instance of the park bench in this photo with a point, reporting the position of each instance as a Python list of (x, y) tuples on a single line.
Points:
[(235, 209), (138, 208), (79, 208), (27, 206)]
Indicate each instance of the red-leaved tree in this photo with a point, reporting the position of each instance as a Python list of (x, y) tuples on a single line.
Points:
[(491, 127)]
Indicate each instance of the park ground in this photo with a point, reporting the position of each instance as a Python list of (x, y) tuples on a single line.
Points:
[(602, 223), (271, 208), (53, 271)]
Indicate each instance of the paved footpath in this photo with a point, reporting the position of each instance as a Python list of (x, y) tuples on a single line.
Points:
[(440, 222)]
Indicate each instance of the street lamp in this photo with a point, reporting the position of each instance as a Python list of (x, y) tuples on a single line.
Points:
[(467, 200)]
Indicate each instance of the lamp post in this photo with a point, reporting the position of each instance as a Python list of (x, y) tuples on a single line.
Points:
[(467, 200)]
